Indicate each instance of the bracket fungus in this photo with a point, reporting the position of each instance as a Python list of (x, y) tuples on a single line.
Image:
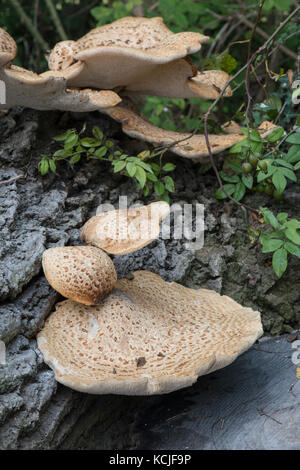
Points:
[(126, 230), (151, 58), (81, 273), (146, 337), (46, 91), (183, 144)]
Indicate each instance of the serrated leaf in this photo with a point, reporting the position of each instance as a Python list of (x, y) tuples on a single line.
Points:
[(279, 261)]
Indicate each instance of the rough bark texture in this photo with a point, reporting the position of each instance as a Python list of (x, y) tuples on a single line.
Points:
[(37, 213)]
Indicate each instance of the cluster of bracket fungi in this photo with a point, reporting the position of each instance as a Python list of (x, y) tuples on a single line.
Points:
[(111, 64), (138, 335)]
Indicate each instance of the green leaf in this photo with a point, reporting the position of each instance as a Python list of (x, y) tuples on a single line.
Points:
[(119, 166), (140, 176), (292, 235), (230, 188), (276, 135), (169, 184), (292, 248), (52, 165), (152, 177), (239, 192), (43, 166), (269, 218), (239, 146), (75, 158), (297, 166), (229, 178), (289, 174), (97, 133), (279, 261), (271, 244), (248, 181), (293, 154), (282, 217), (169, 167), (101, 152), (294, 138), (279, 181), (89, 142), (131, 169), (62, 137), (159, 188)]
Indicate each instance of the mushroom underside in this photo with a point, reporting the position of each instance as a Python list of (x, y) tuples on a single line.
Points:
[(146, 337), (193, 147)]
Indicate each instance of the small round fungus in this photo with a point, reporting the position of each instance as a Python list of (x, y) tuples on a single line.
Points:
[(81, 273), (146, 337)]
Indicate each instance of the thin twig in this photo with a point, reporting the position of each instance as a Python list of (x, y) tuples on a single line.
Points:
[(11, 180), (27, 21), (250, 59), (56, 20), (264, 35)]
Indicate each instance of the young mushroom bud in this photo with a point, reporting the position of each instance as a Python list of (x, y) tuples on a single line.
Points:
[(81, 273)]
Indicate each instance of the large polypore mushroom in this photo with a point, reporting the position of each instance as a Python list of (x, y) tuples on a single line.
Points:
[(146, 337), (126, 230), (47, 91), (138, 55)]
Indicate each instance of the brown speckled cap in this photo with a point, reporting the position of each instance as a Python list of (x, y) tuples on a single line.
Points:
[(8, 48), (81, 273)]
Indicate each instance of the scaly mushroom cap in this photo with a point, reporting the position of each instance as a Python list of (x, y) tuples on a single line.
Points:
[(62, 55), (147, 337), (81, 273), (48, 91), (127, 52), (183, 144), (8, 48), (124, 231)]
